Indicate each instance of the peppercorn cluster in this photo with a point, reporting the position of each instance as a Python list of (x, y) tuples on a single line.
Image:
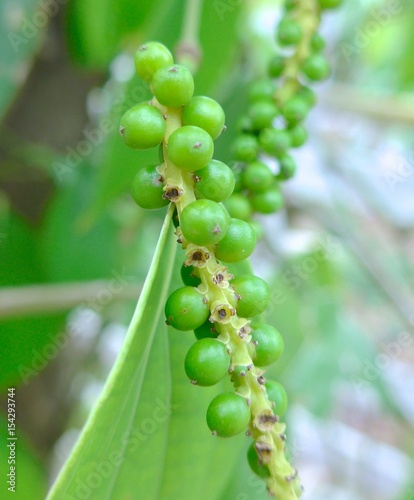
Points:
[(278, 105), (223, 310)]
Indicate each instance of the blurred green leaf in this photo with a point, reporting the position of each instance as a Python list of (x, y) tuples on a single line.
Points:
[(21, 25)]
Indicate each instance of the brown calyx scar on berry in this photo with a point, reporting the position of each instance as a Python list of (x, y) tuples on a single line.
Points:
[(196, 256), (265, 420), (264, 451), (172, 193), (222, 313), (222, 277)]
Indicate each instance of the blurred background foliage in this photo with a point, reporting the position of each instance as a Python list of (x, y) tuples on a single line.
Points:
[(339, 257)]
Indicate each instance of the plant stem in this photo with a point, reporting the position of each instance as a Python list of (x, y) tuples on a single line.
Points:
[(188, 50), (36, 299)]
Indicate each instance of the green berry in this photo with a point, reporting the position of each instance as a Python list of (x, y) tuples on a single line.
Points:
[(254, 295), (228, 414), (287, 168), (151, 57), (245, 147), (257, 177), (173, 86), (207, 362), (204, 222), (317, 42), (316, 67), (215, 181), (238, 243), (147, 188), (269, 346), (238, 206), (190, 148), (261, 89), (262, 113), (205, 113), (298, 135), (244, 125), (188, 277), (274, 141), (276, 393), (308, 95), (206, 331), (295, 110), (329, 4), (276, 66), (255, 463), (186, 309), (268, 202), (289, 32), (142, 127)]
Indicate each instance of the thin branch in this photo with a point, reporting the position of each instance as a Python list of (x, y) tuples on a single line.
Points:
[(50, 298), (188, 49)]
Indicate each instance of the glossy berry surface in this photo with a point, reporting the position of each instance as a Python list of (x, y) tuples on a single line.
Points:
[(277, 394), (274, 141), (269, 346), (207, 362), (206, 331), (262, 113), (238, 243), (173, 86), (190, 148), (151, 57), (287, 167), (255, 464), (317, 42), (142, 127), (254, 295), (261, 89), (298, 135), (205, 113), (276, 66), (316, 67), (257, 177), (147, 188), (289, 32), (186, 309), (204, 222), (188, 277), (228, 414), (295, 110), (245, 147), (238, 206), (268, 202), (214, 182)]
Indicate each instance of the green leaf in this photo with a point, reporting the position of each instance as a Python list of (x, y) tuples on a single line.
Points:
[(20, 31), (125, 426), (30, 478)]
